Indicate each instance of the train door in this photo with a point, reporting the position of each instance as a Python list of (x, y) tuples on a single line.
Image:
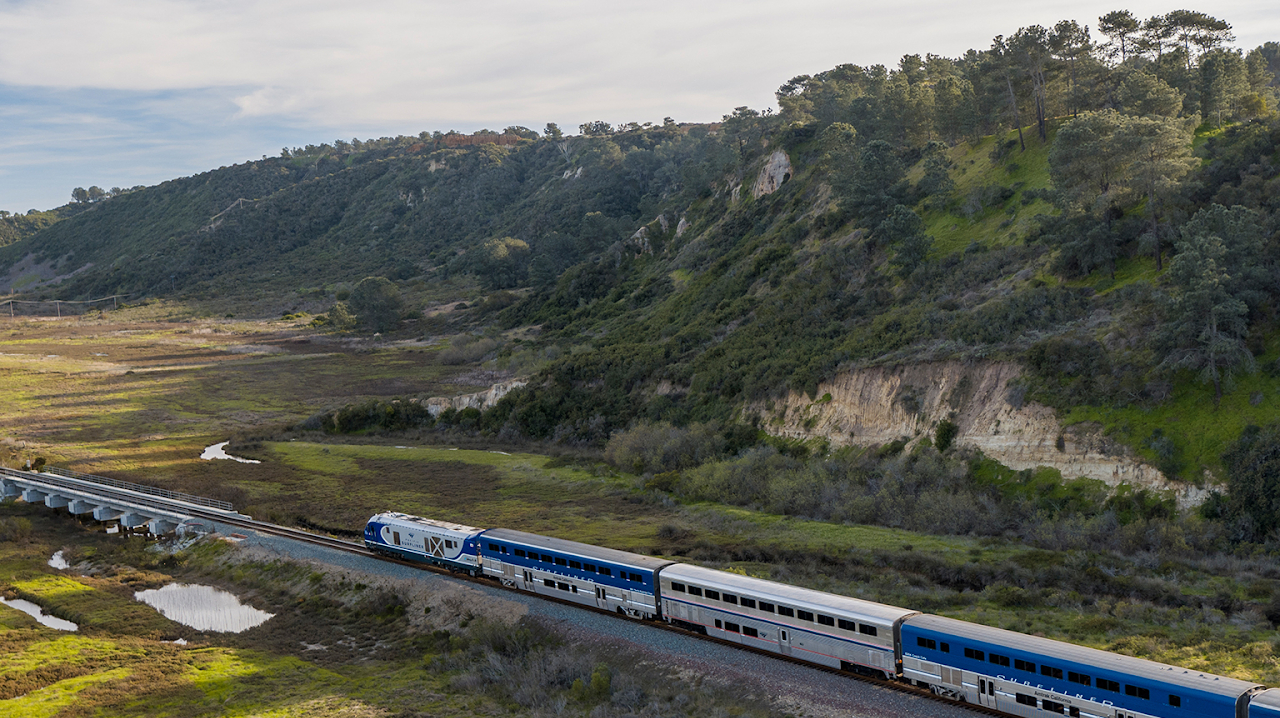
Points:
[(784, 641), (987, 692), (528, 581), (602, 599)]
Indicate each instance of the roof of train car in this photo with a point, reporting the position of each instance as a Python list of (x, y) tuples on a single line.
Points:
[(780, 592), (1136, 667), (433, 523), (1267, 699), (578, 549)]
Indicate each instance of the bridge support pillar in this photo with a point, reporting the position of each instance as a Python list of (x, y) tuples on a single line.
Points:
[(32, 496), (54, 501), (106, 513), (80, 506), (10, 489), (131, 520), (161, 526)]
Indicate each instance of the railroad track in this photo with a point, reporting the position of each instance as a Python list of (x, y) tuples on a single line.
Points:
[(337, 544)]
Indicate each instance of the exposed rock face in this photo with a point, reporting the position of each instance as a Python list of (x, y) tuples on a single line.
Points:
[(480, 400), (776, 170), (681, 227), (881, 404)]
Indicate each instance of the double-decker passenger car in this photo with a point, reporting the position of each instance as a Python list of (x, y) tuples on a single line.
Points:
[(601, 577), (417, 539), (814, 626), (1030, 676)]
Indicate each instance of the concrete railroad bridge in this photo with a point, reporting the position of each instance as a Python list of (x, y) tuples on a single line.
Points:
[(131, 505)]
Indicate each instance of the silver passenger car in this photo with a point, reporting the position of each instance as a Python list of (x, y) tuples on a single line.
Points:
[(823, 628), (606, 578)]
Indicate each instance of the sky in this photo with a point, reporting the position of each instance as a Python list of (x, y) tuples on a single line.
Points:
[(134, 92)]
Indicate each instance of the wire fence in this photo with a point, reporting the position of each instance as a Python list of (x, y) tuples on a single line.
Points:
[(61, 306), (137, 488)]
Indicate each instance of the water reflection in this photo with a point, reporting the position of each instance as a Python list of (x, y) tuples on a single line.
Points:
[(203, 608), (219, 451), (37, 613)]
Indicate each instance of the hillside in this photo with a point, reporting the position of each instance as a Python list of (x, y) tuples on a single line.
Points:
[(1119, 245)]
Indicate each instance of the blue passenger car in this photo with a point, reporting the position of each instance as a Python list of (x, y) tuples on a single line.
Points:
[(601, 577), (1030, 676), (427, 540)]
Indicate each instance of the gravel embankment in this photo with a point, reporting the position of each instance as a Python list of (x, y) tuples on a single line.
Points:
[(794, 688)]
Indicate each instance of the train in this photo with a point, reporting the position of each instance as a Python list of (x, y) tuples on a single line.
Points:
[(1009, 672)]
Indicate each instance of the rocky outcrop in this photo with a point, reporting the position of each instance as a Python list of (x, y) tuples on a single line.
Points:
[(479, 400), (880, 404), (776, 170)]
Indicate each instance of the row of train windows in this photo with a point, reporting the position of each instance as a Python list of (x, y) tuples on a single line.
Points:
[(579, 565), (1046, 670), (767, 607), (557, 584), (731, 626)]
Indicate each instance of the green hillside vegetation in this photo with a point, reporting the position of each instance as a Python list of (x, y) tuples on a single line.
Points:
[(1101, 212)]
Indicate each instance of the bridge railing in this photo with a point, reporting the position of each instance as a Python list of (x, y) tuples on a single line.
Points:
[(137, 488)]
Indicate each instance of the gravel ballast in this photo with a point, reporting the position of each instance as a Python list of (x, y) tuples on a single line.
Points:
[(793, 688)]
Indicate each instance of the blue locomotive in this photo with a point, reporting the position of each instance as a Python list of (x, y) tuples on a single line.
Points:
[(1015, 674)]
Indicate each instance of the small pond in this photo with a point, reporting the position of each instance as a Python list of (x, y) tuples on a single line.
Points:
[(219, 451), (37, 613), (203, 608)]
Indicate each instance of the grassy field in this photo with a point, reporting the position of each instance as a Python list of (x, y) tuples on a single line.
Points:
[(122, 394)]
